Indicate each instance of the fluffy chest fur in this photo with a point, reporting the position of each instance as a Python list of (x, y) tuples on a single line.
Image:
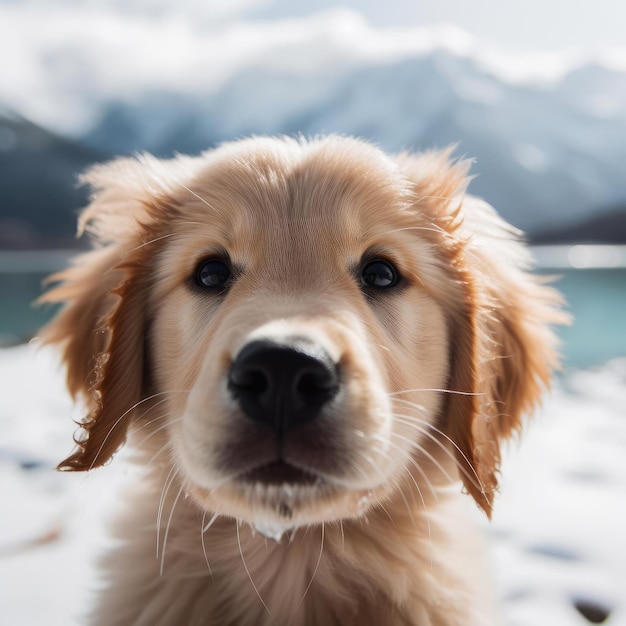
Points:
[(420, 570)]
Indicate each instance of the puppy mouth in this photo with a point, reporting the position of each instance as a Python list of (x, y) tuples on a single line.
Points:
[(279, 473)]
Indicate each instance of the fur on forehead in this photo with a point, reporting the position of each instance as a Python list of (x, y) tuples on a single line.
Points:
[(269, 174)]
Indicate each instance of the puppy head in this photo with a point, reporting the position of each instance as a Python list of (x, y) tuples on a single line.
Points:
[(287, 314)]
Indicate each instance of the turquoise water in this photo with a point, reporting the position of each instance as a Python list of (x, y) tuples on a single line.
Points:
[(21, 277), (595, 290), (597, 300)]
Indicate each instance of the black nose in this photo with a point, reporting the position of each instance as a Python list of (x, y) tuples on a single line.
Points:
[(283, 386)]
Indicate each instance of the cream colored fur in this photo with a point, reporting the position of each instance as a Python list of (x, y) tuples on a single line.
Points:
[(436, 373)]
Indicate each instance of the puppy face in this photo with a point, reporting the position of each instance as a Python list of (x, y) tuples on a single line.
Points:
[(302, 258), (292, 311)]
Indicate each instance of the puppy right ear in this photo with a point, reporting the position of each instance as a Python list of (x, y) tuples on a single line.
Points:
[(101, 327), (86, 289)]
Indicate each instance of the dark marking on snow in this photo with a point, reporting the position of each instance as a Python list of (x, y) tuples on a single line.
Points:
[(594, 612), (590, 477), (52, 535), (33, 464), (554, 552)]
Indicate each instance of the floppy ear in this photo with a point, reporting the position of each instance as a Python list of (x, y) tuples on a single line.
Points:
[(502, 350), (101, 326)]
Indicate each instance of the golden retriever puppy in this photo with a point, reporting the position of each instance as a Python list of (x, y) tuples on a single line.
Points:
[(313, 348)]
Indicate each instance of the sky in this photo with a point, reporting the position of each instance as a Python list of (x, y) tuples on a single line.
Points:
[(516, 25), (64, 57), (529, 25)]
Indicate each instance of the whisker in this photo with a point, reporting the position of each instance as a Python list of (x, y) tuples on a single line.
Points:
[(243, 560), (421, 449), (450, 391), (151, 241), (411, 461), (411, 421), (423, 423), (343, 540), (203, 529), (419, 422), (385, 511), (121, 417), (383, 347), (156, 454), (151, 421), (371, 461), (155, 395), (431, 197), (146, 412), (433, 229), (106, 438), (156, 430), (408, 508), (406, 502), (211, 522), (319, 559), (419, 491), (167, 529), (193, 193), (166, 486)]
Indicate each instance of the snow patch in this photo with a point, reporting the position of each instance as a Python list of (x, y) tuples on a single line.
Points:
[(556, 535)]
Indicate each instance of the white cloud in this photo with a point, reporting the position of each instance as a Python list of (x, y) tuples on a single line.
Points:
[(205, 10), (63, 59)]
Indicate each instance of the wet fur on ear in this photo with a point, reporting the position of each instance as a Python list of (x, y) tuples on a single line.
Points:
[(502, 347), (103, 334), (102, 324)]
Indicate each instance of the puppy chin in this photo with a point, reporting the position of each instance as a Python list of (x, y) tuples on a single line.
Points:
[(273, 510)]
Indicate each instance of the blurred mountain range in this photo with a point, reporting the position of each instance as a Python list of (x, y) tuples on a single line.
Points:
[(551, 157)]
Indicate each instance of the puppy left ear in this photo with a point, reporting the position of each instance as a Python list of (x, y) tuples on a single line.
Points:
[(503, 348)]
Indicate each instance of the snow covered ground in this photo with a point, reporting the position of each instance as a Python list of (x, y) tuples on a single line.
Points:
[(557, 534)]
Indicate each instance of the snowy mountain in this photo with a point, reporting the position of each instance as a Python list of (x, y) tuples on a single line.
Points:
[(545, 154), (38, 191), (548, 134)]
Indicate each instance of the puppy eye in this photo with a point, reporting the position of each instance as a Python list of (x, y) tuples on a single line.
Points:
[(213, 274), (379, 274)]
